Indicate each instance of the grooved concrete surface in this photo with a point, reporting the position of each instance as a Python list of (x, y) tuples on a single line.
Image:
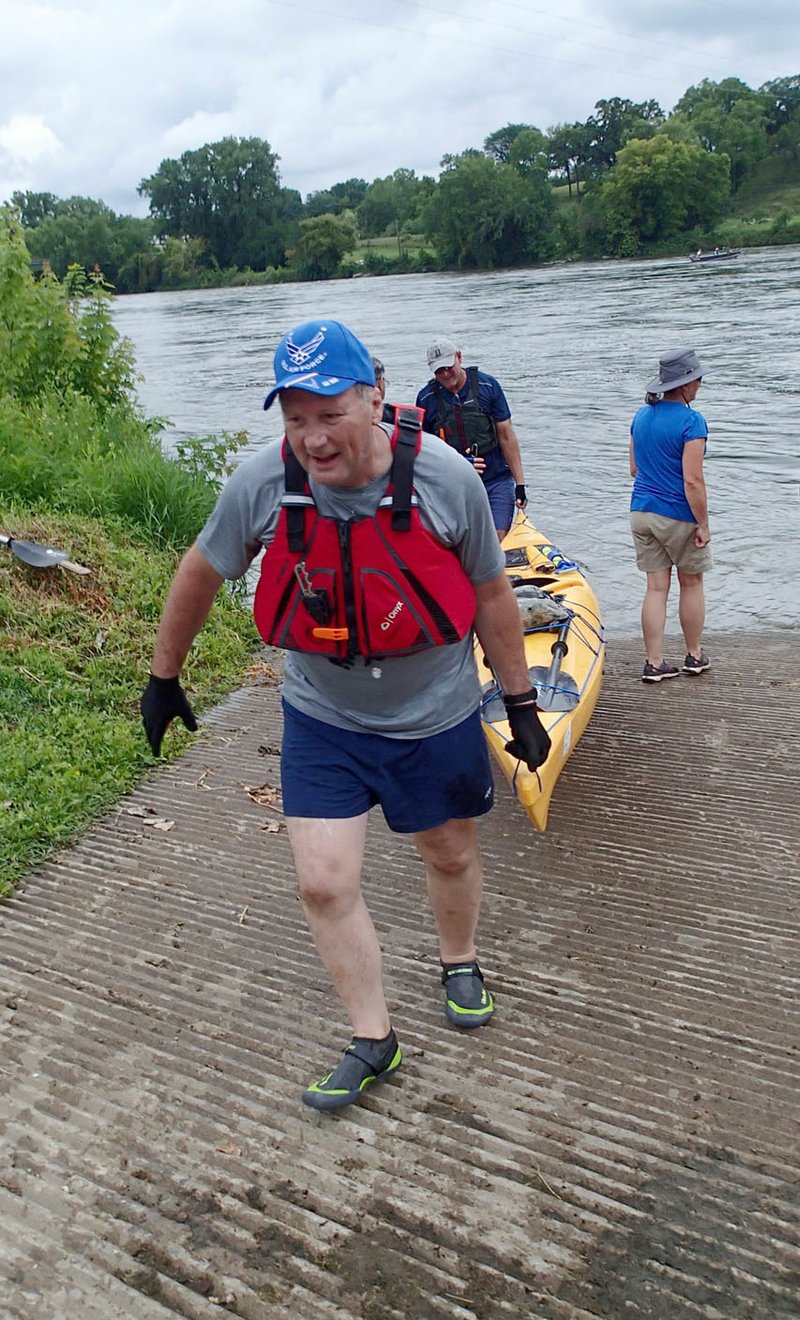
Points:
[(622, 1141)]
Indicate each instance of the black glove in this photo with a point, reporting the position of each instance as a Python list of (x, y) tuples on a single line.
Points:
[(530, 741), (162, 700), (521, 496)]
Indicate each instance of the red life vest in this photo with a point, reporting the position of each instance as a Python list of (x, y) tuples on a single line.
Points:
[(372, 587)]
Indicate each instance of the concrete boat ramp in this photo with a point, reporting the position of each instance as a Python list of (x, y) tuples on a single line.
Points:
[(622, 1141)]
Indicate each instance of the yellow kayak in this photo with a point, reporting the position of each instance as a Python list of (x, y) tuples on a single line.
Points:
[(565, 648)]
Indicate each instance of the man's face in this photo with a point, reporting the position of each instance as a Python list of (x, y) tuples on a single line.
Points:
[(332, 435), (452, 378)]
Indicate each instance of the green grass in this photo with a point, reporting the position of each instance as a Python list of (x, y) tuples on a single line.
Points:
[(411, 245), (74, 658), (563, 197), (61, 452), (387, 244), (775, 188)]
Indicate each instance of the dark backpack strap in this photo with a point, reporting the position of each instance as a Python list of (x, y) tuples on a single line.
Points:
[(438, 394), (295, 484), (472, 376), (459, 440), (407, 433)]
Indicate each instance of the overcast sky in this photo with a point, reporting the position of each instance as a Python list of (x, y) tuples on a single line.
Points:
[(94, 94)]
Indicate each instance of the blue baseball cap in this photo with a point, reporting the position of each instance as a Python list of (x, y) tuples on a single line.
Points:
[(323, 357)]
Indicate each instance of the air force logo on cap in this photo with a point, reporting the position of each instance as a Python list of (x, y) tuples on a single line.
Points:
[(299, 354), (322, 357)]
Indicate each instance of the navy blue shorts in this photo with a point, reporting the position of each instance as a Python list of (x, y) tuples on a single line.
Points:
[(329, 773), (502, 501)]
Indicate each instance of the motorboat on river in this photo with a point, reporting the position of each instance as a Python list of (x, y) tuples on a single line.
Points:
[(719, 254)]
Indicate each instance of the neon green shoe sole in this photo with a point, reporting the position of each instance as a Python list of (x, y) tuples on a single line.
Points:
[(353, 1076), (467, 1002)]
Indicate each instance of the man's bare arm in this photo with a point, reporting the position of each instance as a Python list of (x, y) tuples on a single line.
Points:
[(499, 631), (508, 442), (187, 607)]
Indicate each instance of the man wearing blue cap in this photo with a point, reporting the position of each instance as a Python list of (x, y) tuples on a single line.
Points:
[(380, 557)]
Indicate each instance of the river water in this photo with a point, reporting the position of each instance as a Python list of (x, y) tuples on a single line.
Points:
[(573, 346)]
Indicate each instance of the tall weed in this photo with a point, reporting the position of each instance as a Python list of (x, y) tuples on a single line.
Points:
[(56, 336), (82, 469), (72, 435)]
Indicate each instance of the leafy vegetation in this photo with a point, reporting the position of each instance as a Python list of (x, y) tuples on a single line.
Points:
[(637, 180), (324, 241), (81, 469), (74, 656), (485, 213), (659, 189), (228, 195)]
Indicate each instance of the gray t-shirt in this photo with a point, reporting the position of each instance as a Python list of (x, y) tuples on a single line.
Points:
[(406, 696)]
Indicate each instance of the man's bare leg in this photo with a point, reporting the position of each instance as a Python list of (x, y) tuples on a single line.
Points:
[(328, 856), (455, 885)]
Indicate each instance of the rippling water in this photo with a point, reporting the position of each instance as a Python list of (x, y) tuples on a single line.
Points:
[(573, 346)]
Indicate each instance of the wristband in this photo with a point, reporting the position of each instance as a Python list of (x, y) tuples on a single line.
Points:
[(520, 699)]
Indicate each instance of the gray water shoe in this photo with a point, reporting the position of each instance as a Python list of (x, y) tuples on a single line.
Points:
[(655, 673), (696, 665)]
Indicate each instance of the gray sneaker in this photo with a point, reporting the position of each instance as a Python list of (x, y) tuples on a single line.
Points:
[(655, 673), (694, 665), (363, 1062), (467, 1002)]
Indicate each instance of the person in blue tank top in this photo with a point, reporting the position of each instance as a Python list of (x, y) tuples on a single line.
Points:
[(669, 510), (467, 408)]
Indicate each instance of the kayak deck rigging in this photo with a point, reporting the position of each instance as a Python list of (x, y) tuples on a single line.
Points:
[(565, 655)]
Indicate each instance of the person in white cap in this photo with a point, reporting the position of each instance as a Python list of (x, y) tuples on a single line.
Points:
[(669, 510), (467, 408), (380, 558)]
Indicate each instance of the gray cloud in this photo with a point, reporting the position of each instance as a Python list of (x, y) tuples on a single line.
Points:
[(93, 96)]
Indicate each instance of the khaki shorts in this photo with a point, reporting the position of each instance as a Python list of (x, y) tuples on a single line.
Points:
[(665, 542)]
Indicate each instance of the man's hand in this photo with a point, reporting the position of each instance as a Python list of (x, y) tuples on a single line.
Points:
[(530, 741), (520, 496), (162, 700)]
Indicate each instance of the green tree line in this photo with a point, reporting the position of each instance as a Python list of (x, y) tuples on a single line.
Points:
[(629, 180)]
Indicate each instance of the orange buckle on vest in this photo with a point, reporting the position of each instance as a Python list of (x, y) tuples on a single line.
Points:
[(331, 634)]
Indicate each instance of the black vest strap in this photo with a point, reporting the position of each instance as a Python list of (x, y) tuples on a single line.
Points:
[(295, 479), (408, 429), (438, 394), (472, 396), (408, 425), (460, 436)]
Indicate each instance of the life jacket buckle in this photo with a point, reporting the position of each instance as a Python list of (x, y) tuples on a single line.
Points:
[(331, 634)]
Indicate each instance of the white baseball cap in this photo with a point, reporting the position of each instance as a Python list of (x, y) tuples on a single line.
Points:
[(442, 353)]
